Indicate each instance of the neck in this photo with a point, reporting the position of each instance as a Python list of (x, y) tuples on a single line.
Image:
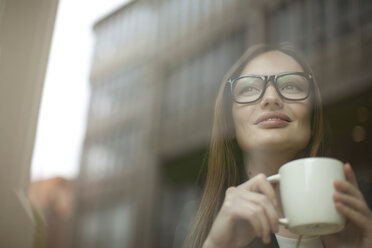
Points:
[(267, 162)]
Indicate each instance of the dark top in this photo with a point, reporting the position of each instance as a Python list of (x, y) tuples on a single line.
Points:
[(257, 243)]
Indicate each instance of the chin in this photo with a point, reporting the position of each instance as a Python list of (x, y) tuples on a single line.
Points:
[(276, 143), (274, 139)]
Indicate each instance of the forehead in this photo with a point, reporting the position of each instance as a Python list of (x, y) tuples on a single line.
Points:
[(270, 63)]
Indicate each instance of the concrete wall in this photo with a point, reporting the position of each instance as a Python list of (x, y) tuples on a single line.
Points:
[(26, 28)]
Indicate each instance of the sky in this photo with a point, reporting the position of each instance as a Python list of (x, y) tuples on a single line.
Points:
[(64, 104)]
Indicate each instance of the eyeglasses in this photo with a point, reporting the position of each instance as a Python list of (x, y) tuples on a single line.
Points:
[(292, 86)]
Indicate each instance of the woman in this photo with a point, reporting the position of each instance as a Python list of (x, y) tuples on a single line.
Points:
[(272, 121)]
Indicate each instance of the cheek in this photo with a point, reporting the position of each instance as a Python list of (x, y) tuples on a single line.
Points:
[(241, 118), (235, 115), (305, 118), (308, 116), (304, 124)]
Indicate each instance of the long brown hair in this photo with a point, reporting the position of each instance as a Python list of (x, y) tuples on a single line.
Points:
[(223, 169)]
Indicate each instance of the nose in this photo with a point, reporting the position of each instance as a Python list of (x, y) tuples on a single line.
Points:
[(271, 98)]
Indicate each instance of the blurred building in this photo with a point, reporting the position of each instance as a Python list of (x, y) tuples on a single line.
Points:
[(154, 79)]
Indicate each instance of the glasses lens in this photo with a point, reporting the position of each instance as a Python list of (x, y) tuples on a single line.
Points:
[(247, 89), (294, 86)]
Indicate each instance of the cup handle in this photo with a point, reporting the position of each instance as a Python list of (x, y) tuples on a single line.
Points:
[(283, 221), (276, 179)]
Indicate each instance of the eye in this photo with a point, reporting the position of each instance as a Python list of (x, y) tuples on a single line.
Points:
[(248, 86), (248, 89), (291, 87), (292, 84)]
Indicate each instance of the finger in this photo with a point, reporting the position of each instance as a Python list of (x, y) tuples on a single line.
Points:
[(348, 188), (238, 209), (255, 215), (251, 216), (260, 184), (352, 202), (272, 214), (354, 216), (350, 175), (265, 226)]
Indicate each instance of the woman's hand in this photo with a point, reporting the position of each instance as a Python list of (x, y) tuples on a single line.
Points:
[(248, 211), (350, 202)]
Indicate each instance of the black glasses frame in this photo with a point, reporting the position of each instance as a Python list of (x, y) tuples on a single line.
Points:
[(267, 80)]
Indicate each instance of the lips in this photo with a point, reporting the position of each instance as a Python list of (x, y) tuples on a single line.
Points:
[(273, 119)]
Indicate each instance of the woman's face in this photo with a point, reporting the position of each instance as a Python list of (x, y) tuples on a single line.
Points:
[(272, 123)]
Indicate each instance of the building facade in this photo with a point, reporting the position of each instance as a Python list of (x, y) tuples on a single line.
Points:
[(155, 74)]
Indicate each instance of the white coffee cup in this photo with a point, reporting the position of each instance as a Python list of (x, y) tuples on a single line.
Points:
[(306, 189)]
